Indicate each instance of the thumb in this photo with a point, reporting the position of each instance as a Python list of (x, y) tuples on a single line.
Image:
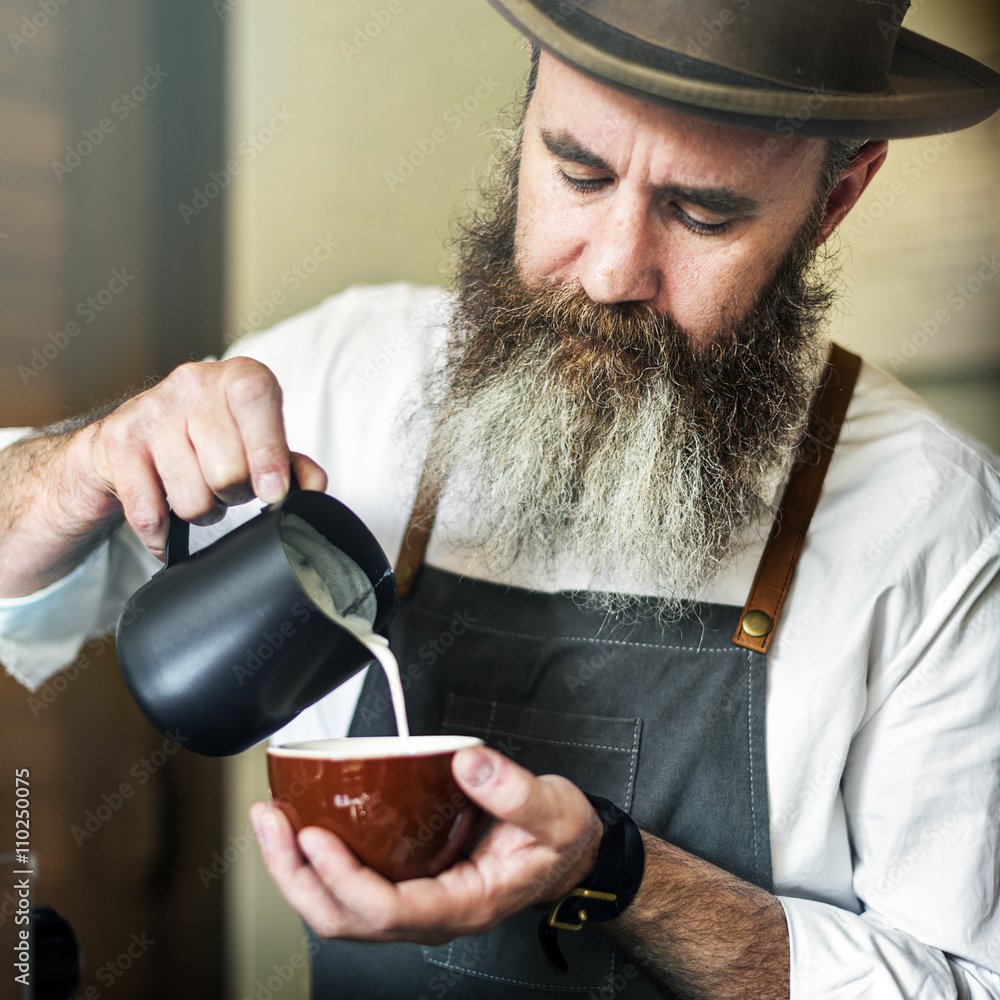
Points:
[(549, 808)]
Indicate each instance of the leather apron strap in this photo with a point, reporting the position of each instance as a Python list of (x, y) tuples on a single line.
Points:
[(777, 564), (418, 533), (774, 572)]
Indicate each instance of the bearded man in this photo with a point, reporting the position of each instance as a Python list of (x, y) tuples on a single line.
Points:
[(627, 387)]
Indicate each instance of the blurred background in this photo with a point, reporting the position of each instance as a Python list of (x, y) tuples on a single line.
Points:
[(175, 174)]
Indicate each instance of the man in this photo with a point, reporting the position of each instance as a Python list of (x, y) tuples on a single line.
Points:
[(610, 406)]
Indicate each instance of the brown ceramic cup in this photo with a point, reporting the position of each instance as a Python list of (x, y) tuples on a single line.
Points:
[(393, 800)]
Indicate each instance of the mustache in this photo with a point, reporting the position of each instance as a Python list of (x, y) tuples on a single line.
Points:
[(610, 354), (586, 343)]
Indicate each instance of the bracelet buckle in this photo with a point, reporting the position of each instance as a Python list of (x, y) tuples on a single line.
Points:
[(554, 921)]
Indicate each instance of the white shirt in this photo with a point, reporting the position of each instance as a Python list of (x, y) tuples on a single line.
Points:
[(883, 700)]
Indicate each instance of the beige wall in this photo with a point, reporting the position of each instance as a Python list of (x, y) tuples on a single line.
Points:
[(913, 244), (920, 249), (353, 111), (421, 88)]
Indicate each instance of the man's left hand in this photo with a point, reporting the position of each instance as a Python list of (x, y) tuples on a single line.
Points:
[(544, 843)]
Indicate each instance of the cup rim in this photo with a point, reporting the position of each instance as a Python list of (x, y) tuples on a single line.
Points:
[(373, 747)]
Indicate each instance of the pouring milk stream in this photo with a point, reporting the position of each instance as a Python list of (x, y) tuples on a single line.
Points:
[(342, 591)]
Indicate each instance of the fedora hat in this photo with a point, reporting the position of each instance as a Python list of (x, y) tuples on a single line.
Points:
[(831, 68)]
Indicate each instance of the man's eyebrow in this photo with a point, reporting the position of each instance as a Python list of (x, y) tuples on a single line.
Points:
[(563, 145), (719, 200)]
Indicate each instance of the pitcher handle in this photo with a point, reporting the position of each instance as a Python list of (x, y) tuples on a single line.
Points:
[(177, 541), (179, 533)]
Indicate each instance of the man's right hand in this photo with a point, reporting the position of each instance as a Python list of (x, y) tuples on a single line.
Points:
[(208, 436)]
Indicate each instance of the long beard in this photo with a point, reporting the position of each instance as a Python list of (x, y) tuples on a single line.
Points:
[(570, 430)]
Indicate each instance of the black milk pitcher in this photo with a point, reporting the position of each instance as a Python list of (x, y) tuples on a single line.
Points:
[(223, 647)]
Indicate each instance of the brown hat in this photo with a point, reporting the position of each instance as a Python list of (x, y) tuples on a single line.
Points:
[(831, 68)]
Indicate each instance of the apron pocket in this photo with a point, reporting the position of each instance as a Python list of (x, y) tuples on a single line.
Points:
[(597, 754)]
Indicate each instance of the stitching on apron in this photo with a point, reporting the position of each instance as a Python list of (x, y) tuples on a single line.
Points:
[(540, 739), (574, 638), (631, 773), (517, 982), (753, 800)]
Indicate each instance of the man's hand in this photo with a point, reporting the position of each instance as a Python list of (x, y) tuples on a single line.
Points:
[(208, 436), (693, 927), (544, 842)]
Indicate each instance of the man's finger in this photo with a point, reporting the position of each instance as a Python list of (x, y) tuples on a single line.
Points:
[(431, 910), (295, 878), (181, 477), (254, 400), (549, 808), (360, 890), (141, 495), (308, 473), (221, 455)]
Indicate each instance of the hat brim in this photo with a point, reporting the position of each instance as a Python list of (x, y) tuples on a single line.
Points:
[(932, 88)]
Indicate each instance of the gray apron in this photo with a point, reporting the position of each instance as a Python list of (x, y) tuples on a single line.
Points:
[(665, 721)]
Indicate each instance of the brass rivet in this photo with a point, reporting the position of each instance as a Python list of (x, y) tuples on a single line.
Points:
[(757, 623), (404, 573)]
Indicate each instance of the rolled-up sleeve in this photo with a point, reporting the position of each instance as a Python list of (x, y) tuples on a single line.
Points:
[(44, 632), (839, 955)]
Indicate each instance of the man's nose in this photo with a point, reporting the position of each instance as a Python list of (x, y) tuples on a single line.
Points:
[(620, 263)]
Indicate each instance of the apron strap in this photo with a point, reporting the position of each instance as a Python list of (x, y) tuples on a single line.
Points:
[(774, 572), (418, 533)]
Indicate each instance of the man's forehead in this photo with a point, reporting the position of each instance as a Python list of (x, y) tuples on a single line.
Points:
[(610, 123)]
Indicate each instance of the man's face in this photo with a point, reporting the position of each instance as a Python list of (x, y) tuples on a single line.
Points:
[(638, 203)]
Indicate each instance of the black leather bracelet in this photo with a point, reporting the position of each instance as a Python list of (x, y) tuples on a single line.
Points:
[(607, 891)]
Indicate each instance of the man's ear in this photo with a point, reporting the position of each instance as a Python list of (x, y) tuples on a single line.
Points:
[(852, 183)]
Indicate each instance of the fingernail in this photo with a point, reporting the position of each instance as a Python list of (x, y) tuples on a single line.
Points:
[(475, 766), (261, 825), (271, 487), (311, 845)]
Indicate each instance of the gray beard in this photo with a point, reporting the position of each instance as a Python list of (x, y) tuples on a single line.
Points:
[(650, 502)]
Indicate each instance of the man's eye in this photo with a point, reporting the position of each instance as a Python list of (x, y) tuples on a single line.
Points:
[(584, 183), (702, 228)]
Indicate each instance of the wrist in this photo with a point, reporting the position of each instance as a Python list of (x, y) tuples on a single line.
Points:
[(621, 857), (91, 491), (78, 506), (609, 888)]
